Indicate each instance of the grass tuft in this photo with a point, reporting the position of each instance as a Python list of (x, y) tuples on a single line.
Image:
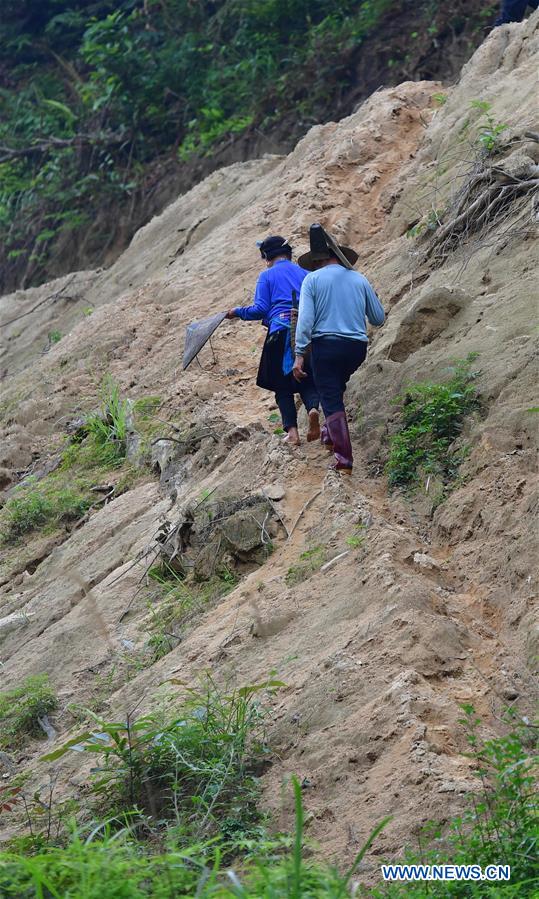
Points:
[(49, 503), (432, 419), (21, 707), (309, 562)]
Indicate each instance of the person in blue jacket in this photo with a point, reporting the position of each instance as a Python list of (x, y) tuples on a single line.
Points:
[(273, 300)]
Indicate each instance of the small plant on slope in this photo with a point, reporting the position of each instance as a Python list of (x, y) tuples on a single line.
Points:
[(35, 505), (21, 707), (108, 429), (432, 418), (490, 131), (197, 769), (309, 562)]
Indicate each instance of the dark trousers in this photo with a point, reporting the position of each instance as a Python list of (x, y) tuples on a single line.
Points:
[(334, 360), (514, 10), (285, 399)]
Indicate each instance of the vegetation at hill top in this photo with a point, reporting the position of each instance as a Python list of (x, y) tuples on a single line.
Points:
[(92, 93)]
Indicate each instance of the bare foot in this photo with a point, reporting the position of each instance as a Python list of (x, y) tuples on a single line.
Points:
[(314, 426), (292, 437)]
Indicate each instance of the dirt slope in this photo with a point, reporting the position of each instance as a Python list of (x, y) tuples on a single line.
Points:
[(435, 606)]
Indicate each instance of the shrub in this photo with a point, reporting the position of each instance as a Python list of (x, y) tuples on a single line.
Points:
[(21, 707), (114, 866), (36, 505), (432, 417), (198, 769)]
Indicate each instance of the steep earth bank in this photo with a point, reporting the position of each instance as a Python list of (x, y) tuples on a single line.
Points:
[(433, 606)]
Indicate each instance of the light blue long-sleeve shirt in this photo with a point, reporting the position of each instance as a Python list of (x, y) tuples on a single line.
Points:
[(336, 301)]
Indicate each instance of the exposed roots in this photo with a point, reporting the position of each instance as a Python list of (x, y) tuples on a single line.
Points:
[(489, 198)]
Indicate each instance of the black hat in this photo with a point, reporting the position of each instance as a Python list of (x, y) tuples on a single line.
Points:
[(274, 246), (323, 246)]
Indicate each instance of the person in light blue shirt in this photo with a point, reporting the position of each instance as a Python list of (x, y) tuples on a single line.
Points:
[(274, 297), (335, 304)]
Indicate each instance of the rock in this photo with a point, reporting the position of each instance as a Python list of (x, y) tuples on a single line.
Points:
[(274, 492), (12, 622), (426, 561)]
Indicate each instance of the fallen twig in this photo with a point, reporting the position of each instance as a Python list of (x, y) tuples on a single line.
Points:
[(303, 510)]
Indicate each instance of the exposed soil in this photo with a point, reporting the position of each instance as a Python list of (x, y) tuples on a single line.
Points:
[(435, 606)]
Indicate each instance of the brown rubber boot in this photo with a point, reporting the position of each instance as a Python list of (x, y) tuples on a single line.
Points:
[(342, 446), (314, 426)]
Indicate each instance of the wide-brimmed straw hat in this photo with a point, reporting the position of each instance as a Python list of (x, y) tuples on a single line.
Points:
[(323, 246)]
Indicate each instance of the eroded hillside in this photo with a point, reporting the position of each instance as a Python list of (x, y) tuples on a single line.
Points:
[(413, 606)]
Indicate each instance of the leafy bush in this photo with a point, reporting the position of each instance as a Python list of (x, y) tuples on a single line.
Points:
[(500, 825), (432, 418), (21, 707), (198, 769), (35, 505)]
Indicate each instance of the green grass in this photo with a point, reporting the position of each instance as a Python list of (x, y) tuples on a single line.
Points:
[(184, 795), (107, 429), (309, 562), (20, 709), (432, 417), (108, 865), (196, 770), (98, 447), (49, 503)]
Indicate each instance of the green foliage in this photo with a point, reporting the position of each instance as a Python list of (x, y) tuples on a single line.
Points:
[(432, 416), (97, 91), (309, 562), (428, 223), (66, 494), (101, 442), (197, 769), (55, 336), (490, 130), (108, 865), (108, 428), (440, 99), (36, 505), (179, 602), (500, 824), (358, 538), (21, 707)]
